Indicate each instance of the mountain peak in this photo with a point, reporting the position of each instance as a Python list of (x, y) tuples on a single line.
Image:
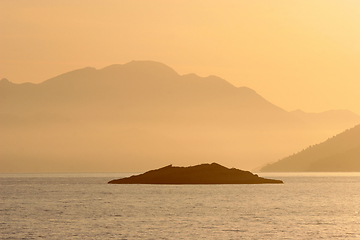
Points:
[(4, 81), (151, 67), (142, 70)]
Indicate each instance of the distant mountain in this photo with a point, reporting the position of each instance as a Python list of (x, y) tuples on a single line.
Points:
[(331, 122), (340, 153), (82, 121), (138, 90)]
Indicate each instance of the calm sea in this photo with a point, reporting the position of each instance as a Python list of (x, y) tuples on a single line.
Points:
[(84, 206)]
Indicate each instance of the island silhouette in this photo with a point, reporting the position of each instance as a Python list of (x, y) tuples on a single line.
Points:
[(212, 173)]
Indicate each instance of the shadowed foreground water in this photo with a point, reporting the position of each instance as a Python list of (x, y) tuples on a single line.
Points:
[(84, 206)]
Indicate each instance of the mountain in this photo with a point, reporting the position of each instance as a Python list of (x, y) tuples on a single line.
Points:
[(339, 153), (136, 90), (331, 122), (84, 120)]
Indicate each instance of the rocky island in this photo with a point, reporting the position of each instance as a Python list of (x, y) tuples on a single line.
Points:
[(200, 174)]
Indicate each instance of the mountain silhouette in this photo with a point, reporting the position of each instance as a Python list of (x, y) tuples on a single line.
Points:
[(153, 88), (331, 122), (339, 153), (80, 121)]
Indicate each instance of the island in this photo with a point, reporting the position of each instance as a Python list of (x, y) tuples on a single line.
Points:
[(212, 173)]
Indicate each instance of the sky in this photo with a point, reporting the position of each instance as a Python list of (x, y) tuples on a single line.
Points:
[(296, 54)]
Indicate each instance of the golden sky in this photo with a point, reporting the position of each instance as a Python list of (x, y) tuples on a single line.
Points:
[(297, 54)]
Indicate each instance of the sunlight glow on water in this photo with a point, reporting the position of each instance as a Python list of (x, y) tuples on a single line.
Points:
[(84, 206)]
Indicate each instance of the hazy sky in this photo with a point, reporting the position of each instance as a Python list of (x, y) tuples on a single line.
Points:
[(297, 54)]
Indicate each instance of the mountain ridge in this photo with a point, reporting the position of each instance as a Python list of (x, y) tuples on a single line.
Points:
[(89, 84), (190, 118), (332, 121), (325, 156)]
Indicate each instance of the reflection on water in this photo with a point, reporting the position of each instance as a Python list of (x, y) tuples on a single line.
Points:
[(84, 206)]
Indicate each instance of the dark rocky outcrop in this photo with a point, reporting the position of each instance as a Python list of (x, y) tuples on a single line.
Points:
[(199, 174)]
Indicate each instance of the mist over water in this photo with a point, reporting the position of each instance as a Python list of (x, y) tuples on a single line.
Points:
[(143, 115), (83, 206)]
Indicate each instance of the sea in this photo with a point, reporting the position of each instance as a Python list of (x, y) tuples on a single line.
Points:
[(84, 206)]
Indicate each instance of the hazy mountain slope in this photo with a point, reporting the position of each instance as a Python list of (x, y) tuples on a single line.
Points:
[(331, 122), (150, 87), (204, 119), (340, 153), (348, 161)]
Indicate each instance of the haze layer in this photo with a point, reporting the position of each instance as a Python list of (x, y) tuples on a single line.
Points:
[(140, 116)]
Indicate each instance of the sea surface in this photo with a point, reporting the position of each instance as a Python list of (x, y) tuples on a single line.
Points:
[(84, 206)]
